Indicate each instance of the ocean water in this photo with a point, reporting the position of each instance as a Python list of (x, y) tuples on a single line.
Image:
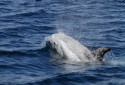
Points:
[(24, 25)]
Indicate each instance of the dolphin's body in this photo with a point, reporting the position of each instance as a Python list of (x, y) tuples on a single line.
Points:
[(71, 49)]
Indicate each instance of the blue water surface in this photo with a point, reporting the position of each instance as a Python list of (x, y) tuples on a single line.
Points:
[(24, 25)]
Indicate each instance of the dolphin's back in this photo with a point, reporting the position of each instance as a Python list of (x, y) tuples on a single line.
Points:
[(70, 48)]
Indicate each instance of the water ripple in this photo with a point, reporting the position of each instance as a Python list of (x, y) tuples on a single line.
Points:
[(24, 25)]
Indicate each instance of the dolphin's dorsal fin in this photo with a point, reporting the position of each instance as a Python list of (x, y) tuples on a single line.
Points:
[(99, 52)]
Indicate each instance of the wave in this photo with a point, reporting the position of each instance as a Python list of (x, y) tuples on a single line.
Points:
[(5, 2), (29, 13), (30, 52), (69, 79)]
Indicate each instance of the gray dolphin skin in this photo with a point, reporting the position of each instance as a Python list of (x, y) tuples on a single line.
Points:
[(99, 53), (70, 49)]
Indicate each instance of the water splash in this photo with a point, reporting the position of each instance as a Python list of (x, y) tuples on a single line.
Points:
[(113, 60)]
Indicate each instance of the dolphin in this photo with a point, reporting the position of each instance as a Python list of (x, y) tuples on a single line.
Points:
[(70, 49)]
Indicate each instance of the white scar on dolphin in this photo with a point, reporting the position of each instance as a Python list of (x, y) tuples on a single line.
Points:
[(70, 49)]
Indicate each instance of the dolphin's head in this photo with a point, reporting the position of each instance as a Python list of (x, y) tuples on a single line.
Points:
[(99, 53), (51, 45)]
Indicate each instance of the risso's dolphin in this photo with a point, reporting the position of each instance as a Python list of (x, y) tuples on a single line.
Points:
[(70, 49)]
